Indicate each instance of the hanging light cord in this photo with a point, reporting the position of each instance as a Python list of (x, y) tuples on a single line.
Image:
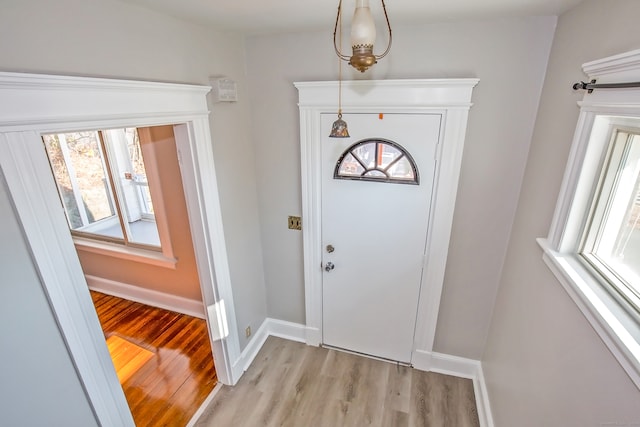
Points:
[(340, 74), (335, 30), (339, 62), (386, 17)]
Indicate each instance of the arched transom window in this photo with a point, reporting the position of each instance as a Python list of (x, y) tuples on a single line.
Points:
[(377, 160)]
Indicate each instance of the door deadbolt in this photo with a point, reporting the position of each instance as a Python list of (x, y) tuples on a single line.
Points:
[(330, 248), (329, 266)]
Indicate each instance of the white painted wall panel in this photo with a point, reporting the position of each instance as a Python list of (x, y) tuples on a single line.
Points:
[(544, 365), (38, 382)]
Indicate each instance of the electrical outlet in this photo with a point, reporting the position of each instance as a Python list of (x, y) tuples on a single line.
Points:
[(295, 223), (247, 331)]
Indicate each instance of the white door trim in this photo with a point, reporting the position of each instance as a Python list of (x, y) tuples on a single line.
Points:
[(33, 104), (449, 97)]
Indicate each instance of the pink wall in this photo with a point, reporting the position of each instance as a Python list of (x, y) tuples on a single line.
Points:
[(183, 280)]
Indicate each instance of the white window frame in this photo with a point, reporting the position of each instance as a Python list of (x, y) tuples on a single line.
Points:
[(601, 112), (162, 256)]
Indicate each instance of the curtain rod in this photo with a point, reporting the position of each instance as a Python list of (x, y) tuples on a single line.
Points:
[(592, 85)]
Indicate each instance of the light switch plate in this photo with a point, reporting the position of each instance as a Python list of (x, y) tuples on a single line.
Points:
[(295, 223)]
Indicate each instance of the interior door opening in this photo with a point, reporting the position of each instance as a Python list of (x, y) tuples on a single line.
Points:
[(36, 104), (121, 179)]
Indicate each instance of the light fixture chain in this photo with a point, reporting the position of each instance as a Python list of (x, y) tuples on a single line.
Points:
[(340, 64), (339, 127), (335, 29), (386, 17)]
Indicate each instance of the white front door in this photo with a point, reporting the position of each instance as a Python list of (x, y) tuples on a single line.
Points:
[(374, 233)]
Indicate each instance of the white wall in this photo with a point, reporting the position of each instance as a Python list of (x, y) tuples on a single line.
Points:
[(108, 38), (38, 382), (508, 56), (544, 364)]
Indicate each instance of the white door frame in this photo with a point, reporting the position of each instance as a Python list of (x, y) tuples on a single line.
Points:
[(32, 104), (449, 97)]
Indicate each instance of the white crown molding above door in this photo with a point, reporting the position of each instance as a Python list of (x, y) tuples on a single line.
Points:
[(33, 104), (451, 98)]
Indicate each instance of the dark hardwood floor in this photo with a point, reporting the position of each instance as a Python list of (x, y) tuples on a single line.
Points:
[(294, 385), (169, 386)]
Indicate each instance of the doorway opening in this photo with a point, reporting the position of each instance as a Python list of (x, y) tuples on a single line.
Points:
[(119, 188), (32, 105)]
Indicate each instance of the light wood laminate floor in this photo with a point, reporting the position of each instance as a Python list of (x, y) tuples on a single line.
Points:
[(292, 384)]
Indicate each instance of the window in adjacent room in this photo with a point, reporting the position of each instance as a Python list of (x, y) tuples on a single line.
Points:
[(102, 182)]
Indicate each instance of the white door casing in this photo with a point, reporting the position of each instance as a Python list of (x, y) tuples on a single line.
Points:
[(32, 104), (450, 98), (377, 232)]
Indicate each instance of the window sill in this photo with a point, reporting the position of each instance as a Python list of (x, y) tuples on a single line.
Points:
[(123, 252), (619, 329)]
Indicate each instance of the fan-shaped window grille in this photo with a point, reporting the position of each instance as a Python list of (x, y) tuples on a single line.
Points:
[(377, 160)]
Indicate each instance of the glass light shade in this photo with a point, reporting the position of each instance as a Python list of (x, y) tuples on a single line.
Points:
[(363, 28)]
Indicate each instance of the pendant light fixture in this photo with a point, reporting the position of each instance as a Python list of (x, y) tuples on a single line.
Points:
[(339, 127), (363, 36)]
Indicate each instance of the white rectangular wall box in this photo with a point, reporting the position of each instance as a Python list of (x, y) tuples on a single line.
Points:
[(223, 90)]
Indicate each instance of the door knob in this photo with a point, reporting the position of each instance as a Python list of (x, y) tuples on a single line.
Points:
[(329, 266)]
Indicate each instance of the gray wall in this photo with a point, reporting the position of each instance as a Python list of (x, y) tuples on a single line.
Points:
[(544, 364), (508, 56), (38, 382), (108, 38)]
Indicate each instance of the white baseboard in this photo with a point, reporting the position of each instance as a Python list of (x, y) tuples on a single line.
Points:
[(270, 327), (196, 416), (253, 347), (458, 367), (422, 360), (146, 296), (454, 365), (287, 330)]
